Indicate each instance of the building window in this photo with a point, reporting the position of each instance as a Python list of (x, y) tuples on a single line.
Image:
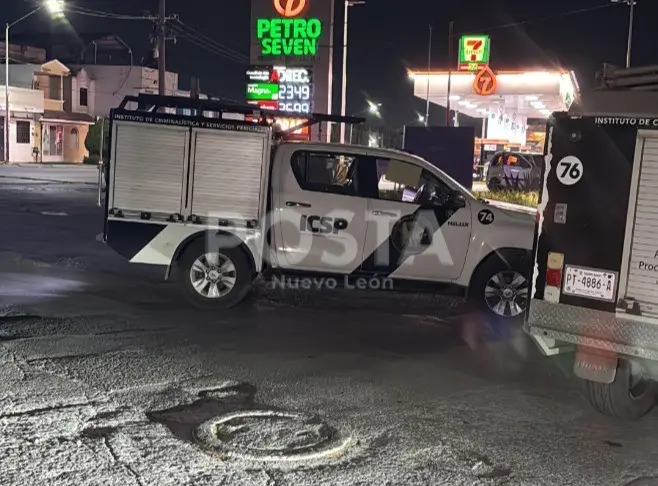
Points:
[(23, 129), (55, 88), (75, 138), (83, 97), (52, 140)]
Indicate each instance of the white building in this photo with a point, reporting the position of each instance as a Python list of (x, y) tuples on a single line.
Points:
[(106, 86), (26, 107)]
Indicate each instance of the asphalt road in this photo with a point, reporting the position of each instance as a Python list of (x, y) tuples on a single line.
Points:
[(109, 379)]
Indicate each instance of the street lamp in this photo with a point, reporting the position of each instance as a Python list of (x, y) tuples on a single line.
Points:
[(373, 108), (54, 7), (343, 106), (631, 4)]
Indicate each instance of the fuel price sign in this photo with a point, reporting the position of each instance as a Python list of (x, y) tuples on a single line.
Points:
[(295, 89)]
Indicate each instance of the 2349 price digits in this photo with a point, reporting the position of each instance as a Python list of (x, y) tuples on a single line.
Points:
[(292, 92)]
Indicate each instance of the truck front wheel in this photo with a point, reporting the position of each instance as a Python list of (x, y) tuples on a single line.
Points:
[(501, 286), (631, 396), (214, 276)]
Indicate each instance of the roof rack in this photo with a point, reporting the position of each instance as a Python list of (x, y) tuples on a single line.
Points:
[(154, 103), (637, 79)]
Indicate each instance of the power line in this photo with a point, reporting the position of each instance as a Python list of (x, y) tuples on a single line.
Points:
[(541, 19), (212, 47), (191, 31), (106, 15)]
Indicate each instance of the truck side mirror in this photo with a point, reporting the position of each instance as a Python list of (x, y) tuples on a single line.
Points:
[(456, 200)]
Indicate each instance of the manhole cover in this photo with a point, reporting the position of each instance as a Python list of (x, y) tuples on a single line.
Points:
[(270, 435)]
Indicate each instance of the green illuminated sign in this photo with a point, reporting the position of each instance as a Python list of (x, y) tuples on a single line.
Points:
[(473, 52), (263, 91), (289, 37)]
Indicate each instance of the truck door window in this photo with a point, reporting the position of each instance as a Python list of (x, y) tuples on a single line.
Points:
[(326, 172), (406, 182), (497, 161)]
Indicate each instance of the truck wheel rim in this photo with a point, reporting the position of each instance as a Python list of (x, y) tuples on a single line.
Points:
[(213, 275), (506, 294)]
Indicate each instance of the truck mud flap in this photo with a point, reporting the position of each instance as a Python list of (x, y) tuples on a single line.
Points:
[(595, 365)]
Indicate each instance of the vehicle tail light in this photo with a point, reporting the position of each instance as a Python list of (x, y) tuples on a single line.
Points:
[(553, 277), (554, 267)]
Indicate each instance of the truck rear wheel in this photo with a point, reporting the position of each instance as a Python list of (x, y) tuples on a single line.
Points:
[(631, 396), (214, 275)]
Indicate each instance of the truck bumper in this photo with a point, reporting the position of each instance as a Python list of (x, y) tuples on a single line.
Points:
[(583, 327)]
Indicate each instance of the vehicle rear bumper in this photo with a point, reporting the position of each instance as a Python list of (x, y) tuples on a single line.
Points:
[(618, 332)]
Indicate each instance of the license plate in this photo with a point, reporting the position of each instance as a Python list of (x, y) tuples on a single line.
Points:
[(590, 283)]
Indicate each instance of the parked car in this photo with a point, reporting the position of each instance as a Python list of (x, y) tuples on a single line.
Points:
[(514, 170)]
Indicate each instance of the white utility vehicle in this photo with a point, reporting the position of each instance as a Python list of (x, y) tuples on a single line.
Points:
[(595, 274), (225, 201)]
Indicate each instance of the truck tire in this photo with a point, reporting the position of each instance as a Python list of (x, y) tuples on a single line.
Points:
[(625, 398), (215, 274), (501, 287)]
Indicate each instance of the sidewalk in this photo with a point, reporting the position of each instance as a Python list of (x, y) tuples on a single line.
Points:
[(65, 173)]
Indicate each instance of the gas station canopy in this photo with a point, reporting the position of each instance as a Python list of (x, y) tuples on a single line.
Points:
[(527, 94)]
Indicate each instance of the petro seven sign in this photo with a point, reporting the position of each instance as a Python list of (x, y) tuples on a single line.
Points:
[(289, 34)]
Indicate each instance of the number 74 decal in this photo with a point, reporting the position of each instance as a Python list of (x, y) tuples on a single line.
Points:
[(569, 170)]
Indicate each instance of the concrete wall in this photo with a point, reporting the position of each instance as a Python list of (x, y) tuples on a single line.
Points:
[(83, 80), (22, 100), (74, 146), (113, 83)]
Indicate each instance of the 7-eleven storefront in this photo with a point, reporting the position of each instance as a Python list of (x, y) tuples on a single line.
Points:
[(513, 105)]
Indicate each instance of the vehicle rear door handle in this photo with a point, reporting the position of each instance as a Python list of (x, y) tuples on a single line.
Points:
[(296, 204), (384, 213)]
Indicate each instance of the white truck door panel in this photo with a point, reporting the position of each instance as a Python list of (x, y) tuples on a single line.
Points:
[(320, 226), (412, 241)]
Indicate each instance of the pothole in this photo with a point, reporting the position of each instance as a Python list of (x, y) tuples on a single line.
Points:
[(270, 435), (228, 423)]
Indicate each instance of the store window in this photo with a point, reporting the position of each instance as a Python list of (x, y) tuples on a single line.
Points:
[(23, 129), (52, 140), (75, 139), (326, 172), (84, 97)]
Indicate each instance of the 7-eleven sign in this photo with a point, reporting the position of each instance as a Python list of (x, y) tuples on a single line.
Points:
[(473, 52)]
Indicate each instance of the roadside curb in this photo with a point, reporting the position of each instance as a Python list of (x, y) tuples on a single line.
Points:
[(54, 181)]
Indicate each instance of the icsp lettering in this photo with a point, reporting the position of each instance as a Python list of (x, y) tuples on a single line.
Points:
[(322, 224)]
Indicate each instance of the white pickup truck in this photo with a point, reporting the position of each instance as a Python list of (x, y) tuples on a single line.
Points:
[(224, 201)]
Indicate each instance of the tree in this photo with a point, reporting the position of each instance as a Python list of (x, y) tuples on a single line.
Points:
[(93, 140)]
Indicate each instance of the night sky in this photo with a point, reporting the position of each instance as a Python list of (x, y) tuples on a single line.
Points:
[(386, 37)]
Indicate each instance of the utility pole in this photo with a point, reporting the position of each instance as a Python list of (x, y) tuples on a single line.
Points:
[(7, 112), (429, 69), (162, 40), (630, 34), (631, 4), (451, 29)]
